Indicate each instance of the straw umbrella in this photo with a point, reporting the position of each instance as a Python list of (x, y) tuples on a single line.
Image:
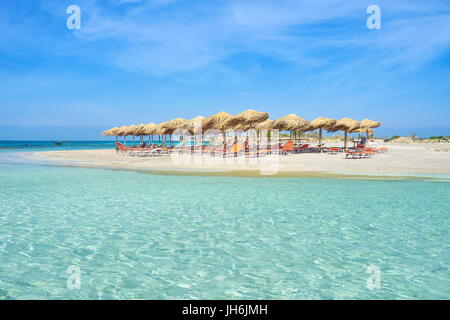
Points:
[(265, 125), (347, 125), (110, 132), (106, 132), (363, 130), (139, 130), (246, 120), (149, 129), (190, 126), (217, 121), (291, 122), (133, 131), (114, 131), (172, 125), (249, 117), (160, 132), (122, 132), (367, 124), (321, 123)]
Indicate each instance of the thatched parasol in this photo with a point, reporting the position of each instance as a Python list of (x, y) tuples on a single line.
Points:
[(347, 125), (124, 131), (217, 121), (149, 130), (172, 125), (139, 130), (247, 119), (169, 127), (363, 130), (265, 125), (321, 123), (192, 123), (368, 125), (292, 123), (111, 132), (114, 131), (135, 130)]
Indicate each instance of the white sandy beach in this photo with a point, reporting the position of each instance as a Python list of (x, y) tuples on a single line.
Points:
[(403, 159)]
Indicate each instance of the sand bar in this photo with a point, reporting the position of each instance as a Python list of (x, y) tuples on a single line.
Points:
[(401, 160)]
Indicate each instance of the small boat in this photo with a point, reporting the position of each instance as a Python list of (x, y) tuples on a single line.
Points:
[(56, 143)]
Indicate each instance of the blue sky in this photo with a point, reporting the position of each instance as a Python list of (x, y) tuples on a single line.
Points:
[(140, 61)]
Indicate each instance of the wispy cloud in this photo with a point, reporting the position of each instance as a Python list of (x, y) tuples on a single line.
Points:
[(167, 36), (306, 33)]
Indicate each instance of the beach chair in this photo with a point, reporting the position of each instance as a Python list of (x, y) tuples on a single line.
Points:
[(121, 148), (333, 150), (288, 147), (302, 148), (236, 149)]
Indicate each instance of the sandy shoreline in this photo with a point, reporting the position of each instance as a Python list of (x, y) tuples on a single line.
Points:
[(402, 159)]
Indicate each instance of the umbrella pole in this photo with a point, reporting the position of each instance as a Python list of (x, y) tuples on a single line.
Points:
[(320, 140), (345, 140), (224, 141), (257, 142), (235, 144)]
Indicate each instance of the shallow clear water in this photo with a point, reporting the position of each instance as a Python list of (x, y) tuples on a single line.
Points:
[(137, 235)]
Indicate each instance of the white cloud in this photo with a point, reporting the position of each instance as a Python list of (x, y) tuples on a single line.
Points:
[(166, 36)]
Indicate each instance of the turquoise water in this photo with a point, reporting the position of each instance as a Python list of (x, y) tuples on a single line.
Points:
[(143, 236), (34, 145)]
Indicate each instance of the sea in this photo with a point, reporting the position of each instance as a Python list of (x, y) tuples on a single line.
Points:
[(87, 233)]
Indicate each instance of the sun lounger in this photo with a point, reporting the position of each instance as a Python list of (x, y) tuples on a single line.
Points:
[(288, 147), (302, 148), (359, 154), (332, 150)]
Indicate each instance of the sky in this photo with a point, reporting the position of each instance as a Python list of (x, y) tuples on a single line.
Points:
[(141, 61)]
